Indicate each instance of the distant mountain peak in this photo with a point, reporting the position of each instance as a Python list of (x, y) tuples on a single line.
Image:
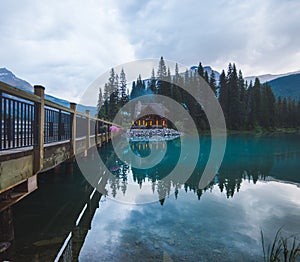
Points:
[(269, 77), (9, 78), (207, 69), (287, 86)]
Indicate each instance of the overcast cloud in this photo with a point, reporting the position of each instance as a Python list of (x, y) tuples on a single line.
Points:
[(65, 45)]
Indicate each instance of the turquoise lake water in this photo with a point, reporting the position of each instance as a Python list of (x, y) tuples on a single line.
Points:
[(256, 188)]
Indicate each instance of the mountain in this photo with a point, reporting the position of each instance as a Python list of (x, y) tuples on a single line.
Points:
[(8, 77), (268, 77), (286, 86), (207, 69), (283, 85)]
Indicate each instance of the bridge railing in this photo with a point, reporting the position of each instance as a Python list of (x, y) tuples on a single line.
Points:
[(16, 121), (30, 120), (57, 125)]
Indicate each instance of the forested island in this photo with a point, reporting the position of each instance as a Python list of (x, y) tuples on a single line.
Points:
[(246, 106)]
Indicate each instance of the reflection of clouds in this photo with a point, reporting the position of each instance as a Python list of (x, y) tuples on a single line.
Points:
[(264, 203), (187, 228), (106, 231)]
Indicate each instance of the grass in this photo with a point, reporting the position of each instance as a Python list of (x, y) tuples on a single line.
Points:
[(282, 248)]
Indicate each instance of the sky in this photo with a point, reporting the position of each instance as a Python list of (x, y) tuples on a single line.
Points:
[(66, 45)]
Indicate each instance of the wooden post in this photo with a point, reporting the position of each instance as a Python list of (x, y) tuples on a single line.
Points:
[(88, 129), (96, 133), (73, 128), (107, 133), (38, 147), (101, 135)]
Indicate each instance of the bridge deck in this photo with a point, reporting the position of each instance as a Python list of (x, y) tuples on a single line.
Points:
[(37, 135)]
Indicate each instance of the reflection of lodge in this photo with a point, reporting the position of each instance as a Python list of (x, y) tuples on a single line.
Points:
[(144, 148), (151, 115)]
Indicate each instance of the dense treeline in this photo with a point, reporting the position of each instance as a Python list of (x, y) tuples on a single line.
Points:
[(246, 106), (115, 95)]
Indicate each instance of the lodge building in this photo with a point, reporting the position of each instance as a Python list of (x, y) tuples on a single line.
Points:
[(150, 115)]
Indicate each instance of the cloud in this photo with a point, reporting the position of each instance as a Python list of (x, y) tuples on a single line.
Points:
[(66, 45), (62, 46), (259, 36)]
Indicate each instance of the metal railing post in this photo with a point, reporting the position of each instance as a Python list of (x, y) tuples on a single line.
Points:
[(59, 131)]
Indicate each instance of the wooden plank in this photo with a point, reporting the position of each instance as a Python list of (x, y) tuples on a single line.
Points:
[(57, 106), (8, 89), (4, 204)]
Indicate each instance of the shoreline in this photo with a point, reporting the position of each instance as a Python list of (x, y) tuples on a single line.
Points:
[(265, 131), (255, 132)]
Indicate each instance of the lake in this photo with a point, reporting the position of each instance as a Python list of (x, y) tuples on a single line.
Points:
[(256, 188)]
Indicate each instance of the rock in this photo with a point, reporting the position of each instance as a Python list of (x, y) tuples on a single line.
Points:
[(137, 242), (171, 242), (156, 245), (4, 246)]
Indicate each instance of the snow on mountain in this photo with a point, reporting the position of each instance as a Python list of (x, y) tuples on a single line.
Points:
[(8, 77), (268, 77), (207, 69)]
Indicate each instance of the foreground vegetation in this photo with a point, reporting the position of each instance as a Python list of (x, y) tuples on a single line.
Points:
[(281, 249)]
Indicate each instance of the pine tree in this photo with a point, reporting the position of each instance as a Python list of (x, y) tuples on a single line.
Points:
[(256, 108), (168, 85), (212, 81), (123, 87), (113, 86), (200, 70), (106, 100), (298, 113), (234, 118), (292, 113), (161, 76), (284, 112), (134, 92), (176, 71), (177, 84), (100, 108), (243, 99), (162, 69), (250, 104), (140, 86), (152, 83), (267, 108), (206, 77), (223, 94), (271, 102), (279, 112)]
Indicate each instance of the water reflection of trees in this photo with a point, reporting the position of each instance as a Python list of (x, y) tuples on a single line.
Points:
[(235, 168)]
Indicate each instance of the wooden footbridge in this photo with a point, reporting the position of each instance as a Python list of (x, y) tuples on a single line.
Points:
[(36, 135)]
